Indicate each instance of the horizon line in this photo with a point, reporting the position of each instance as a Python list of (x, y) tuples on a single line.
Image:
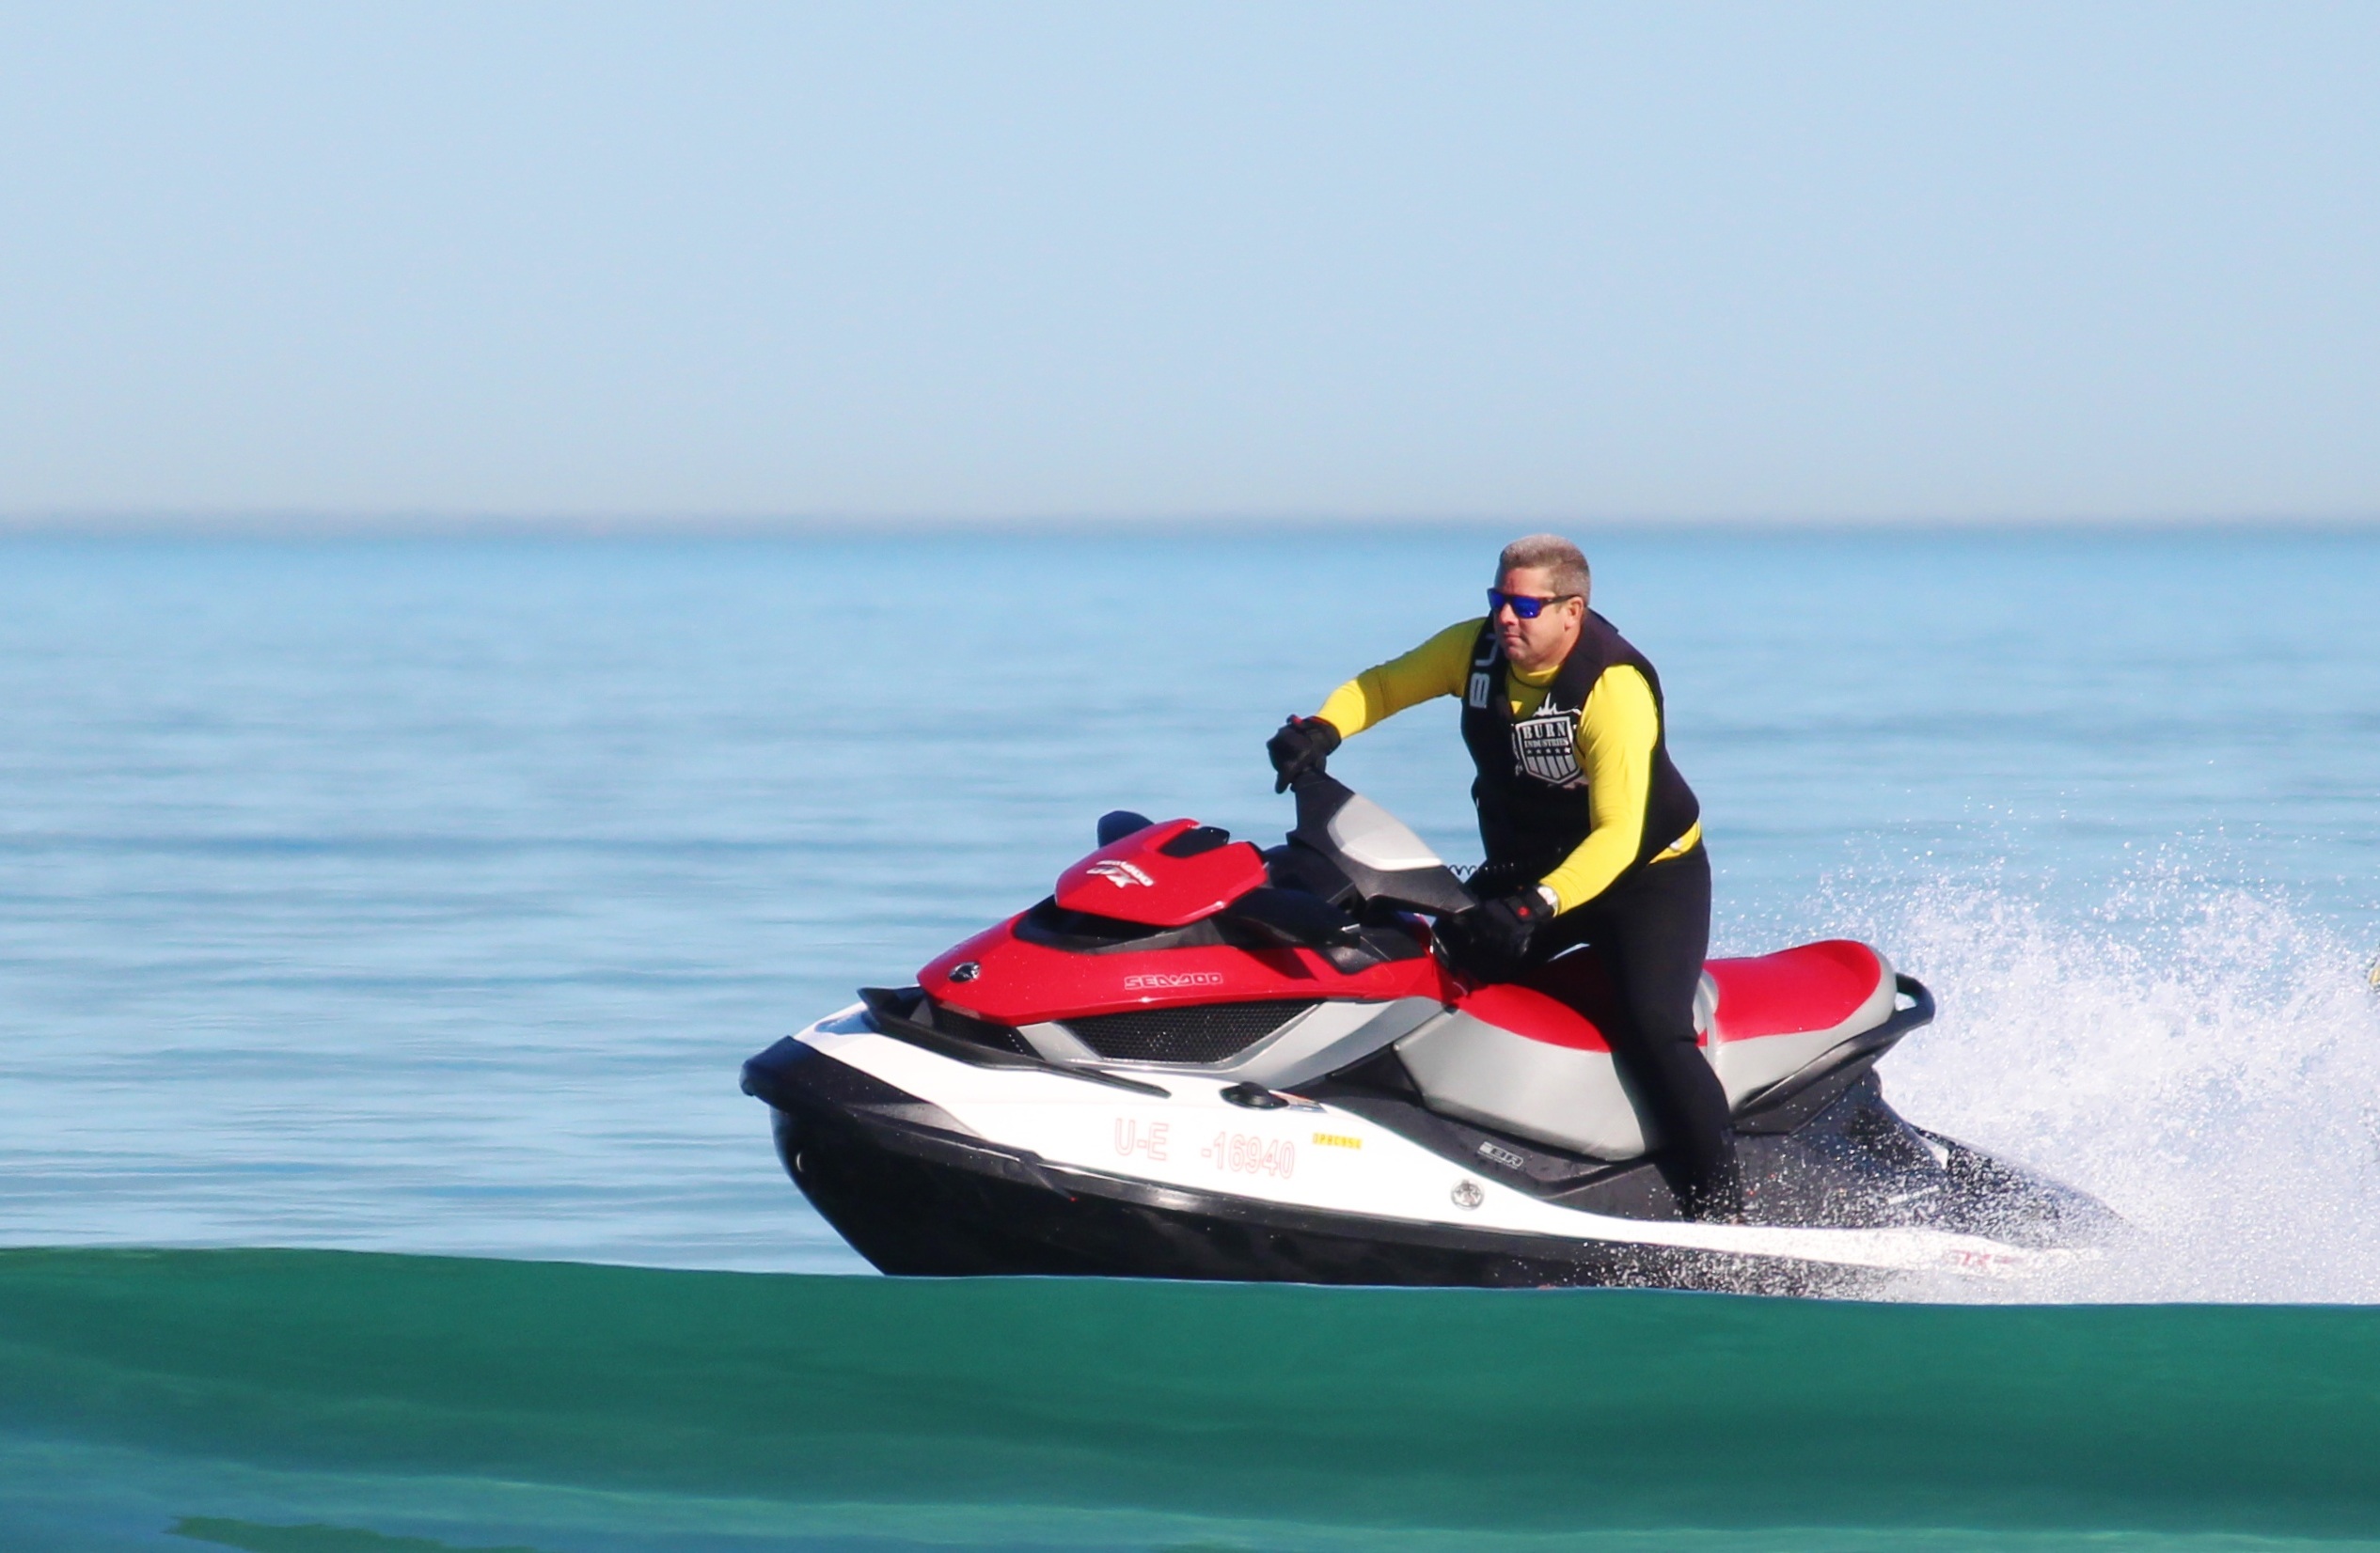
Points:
[(336, 523)]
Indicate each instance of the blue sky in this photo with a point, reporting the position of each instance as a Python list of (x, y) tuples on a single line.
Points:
[(1558, 263)]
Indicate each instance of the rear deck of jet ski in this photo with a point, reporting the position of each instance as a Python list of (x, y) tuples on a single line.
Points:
[(1834, 1152)]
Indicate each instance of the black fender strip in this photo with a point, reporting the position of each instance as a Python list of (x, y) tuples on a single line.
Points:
[(888, 1009)]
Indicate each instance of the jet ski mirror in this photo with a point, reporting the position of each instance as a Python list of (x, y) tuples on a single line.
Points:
[(1377, 852), (1117, 824)]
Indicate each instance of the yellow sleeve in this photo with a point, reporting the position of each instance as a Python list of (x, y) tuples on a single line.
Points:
[(1617, 729), (1440, 667)]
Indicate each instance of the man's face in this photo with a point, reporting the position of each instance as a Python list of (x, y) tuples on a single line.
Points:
[(1533, 645)]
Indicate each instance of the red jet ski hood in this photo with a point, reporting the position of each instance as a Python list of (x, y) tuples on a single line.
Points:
[(1166, 875)]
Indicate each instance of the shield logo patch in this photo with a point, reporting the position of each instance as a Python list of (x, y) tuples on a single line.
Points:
[(1546, 747)]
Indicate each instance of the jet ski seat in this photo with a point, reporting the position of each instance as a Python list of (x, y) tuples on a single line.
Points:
[(1773, 1015), (1521, 1057)]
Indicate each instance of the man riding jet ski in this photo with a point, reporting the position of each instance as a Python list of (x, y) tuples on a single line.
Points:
[(1199, 1060), (1592, 836)]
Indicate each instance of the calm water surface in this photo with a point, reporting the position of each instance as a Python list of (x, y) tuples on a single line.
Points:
[(425, 896)]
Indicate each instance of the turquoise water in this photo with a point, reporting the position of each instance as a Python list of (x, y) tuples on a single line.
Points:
[(492, 1404), (422, 897)]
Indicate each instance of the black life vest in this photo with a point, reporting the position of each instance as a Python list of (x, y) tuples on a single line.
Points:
[(1531, 792)]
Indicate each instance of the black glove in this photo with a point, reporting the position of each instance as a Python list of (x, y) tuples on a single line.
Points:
[(1496, 936), (1301, 745)]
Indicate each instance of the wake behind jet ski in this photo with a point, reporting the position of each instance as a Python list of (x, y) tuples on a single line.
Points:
[(1196, 1059)]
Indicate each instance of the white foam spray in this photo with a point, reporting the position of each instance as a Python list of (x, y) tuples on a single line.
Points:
[(2204, 1060)]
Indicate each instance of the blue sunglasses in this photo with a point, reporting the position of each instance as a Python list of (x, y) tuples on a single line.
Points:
[(1522, 605)]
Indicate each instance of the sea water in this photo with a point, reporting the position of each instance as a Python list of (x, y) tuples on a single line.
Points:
[(422, 896)]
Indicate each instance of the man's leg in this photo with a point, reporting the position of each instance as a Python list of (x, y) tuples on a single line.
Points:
[(1655, 932)]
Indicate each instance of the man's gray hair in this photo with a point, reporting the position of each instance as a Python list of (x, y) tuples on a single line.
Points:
[(1561, 560)]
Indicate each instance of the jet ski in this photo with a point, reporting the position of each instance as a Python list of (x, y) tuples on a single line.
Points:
[(1200, 1059)]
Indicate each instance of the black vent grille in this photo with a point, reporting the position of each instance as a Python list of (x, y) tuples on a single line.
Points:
[(982, 1031), (1208, 1032)]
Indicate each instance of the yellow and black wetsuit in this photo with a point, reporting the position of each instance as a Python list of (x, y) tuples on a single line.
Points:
[(1577, 795), (1575, 787)]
